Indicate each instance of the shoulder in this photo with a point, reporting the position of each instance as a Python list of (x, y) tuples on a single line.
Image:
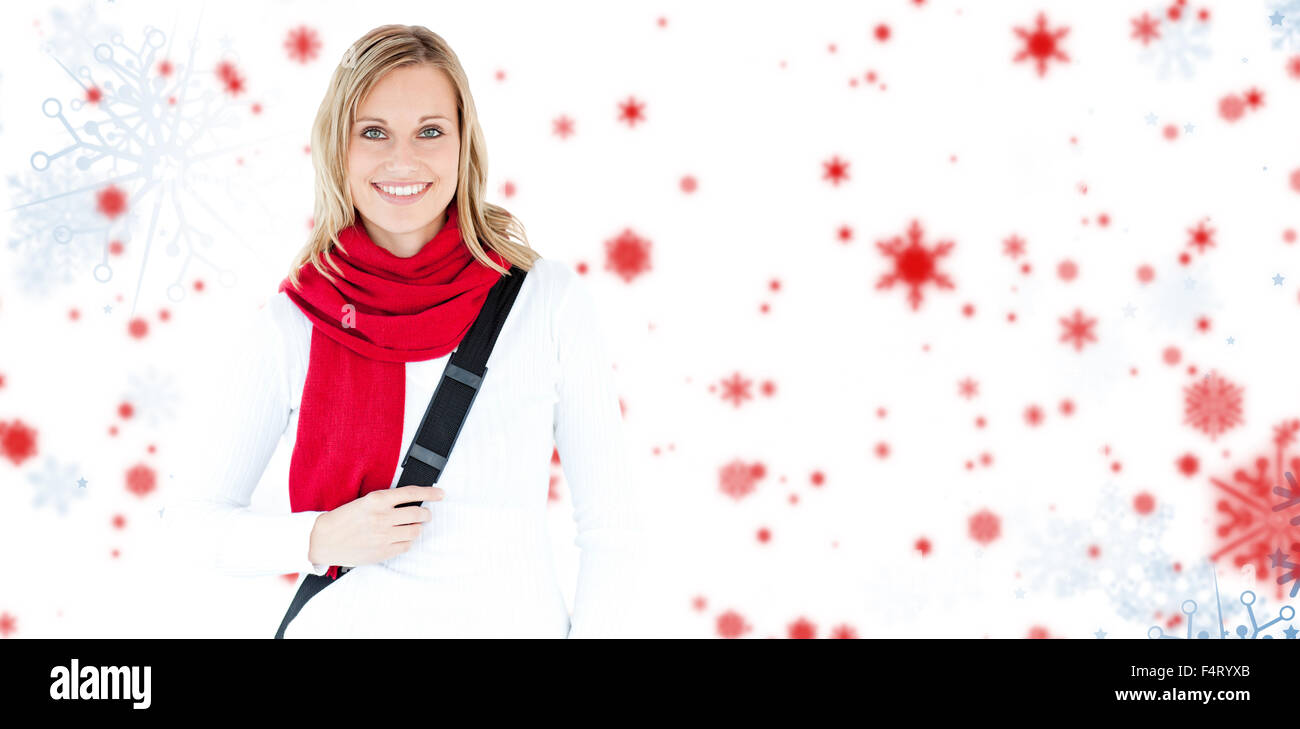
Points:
[(548, 282), (573, 311), (552, 275), (288, 331)]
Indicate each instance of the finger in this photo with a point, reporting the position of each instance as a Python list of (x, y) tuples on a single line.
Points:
[(403, 494), (405, 533), (410, 515)]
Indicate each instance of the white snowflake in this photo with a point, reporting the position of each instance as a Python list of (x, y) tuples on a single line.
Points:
[(56, 484), (1130, 567), (1178, 299), (1286, 34), (167, 175), (1181, 43), (57, 236), (152, 396)]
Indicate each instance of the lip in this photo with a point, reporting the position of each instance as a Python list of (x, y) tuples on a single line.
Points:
[(408, 200)]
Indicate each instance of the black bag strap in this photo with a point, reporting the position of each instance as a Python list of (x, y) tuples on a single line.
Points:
[(426, 458)]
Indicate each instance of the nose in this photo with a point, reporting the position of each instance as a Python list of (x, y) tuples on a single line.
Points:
[(404, 159)]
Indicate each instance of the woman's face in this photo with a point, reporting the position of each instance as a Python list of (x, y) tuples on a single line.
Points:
[(405, 135)]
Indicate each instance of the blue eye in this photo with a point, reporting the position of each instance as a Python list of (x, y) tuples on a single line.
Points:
[(365, 132)]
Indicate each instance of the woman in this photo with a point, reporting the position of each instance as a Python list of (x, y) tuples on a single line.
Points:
[(345, 357)]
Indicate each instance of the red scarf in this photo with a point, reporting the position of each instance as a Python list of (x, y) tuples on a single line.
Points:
[(349, 439)]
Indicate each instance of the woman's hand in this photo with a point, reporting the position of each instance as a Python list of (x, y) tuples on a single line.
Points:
[(371, 528)]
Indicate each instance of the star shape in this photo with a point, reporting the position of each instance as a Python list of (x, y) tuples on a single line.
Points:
[(1020, 593), (1276, 17), (1188, 127), (1277, 557), (1189, 284), (107, 308), (1151, 118), (1277, 280), (1100, 634), (1291, 632), (1128, 310), (1230, 340), (81, 482)]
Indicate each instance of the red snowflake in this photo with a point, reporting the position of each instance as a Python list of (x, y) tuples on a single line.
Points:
[(1078, 329), (1201, 237), (230, 78), (628, 255), (844, 631), (731, 624), (1146, 28), (739, 479), (562, 127), (302, 44), (1254, 528), (802, 628), (1231, 107), (736, 389), (17, 441), (1041, 44), (630, 111), (1213, 405), (837, 170), (111, 201), (968, 388), (141, 480), (1013, 246), (914, 264), (985, 526)]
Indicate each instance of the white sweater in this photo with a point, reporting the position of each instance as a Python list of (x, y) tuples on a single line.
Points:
[(482, 565)]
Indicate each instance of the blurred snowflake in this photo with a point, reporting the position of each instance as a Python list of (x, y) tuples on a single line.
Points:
[(1253, 529), (56, 484), (153, 396), (1177, 300), (146, 132), (1215, 619), (1284, 23), (1177, 38), (60, 241), (1118, 551)]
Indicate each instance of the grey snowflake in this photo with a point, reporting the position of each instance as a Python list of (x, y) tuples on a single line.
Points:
[(56, 484), (152, 396), (156, 138), (56, 236), (1181, 43), (1130, 565), (74, 34), (1175, 301), (1286, 32)]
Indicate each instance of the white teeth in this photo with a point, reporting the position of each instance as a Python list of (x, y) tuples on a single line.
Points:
[(403, 191)]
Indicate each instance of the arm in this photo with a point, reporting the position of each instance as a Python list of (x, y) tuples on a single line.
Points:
[(589, 437), (237, 407)]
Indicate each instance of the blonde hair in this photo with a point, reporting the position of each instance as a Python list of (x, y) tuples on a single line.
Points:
[(366, 61)]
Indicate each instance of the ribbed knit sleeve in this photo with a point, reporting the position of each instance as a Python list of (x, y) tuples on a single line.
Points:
[(589, 436), (236, 410)]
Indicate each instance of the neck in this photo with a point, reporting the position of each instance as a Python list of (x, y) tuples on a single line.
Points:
[(407, 244)]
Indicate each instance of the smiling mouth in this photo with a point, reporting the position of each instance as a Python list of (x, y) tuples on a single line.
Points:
[(402, 193)]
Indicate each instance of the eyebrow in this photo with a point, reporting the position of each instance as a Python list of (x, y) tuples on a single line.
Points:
[(421, 121)]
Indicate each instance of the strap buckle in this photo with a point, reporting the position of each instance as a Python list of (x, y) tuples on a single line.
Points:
[(424, 455)]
